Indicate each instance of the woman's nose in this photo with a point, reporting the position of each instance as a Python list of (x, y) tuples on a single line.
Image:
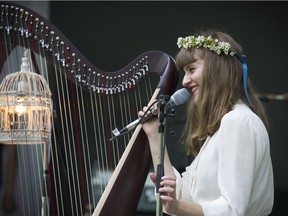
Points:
[(186, 80)]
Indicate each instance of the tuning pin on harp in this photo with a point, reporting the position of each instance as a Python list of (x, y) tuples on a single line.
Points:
[(274, 97)]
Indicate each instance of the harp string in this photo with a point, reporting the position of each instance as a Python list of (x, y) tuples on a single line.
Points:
[(44, 151), (106, 132), (114, 148), (56, 152), (86, 152), (54, 168), (52, 152), (79, 139), (22, 151), (70, 140), (124, 118), (41, 151), (10, 68), (115, 144)]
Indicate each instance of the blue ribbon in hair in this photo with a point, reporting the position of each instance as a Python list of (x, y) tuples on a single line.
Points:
[(245, 77)]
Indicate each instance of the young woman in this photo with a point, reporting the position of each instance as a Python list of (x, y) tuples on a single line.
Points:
[(226, 131)]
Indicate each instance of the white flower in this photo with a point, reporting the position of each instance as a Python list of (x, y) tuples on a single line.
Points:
[(206, 42)]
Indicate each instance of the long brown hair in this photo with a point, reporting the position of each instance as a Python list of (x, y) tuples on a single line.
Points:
[(222, 86)]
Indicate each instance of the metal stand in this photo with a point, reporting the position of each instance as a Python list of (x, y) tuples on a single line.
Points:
[(160, 166), (45, 185)]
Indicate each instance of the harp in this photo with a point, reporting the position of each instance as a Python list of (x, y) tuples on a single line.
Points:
[(84, 172)]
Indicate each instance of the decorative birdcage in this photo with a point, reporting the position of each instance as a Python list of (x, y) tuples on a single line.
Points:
[(25, 107)]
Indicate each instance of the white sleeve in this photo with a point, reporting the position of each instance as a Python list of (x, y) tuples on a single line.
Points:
[(178, 184), (182, 183), (237, 159)]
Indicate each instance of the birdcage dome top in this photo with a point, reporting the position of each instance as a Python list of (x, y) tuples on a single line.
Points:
[(24, 83)]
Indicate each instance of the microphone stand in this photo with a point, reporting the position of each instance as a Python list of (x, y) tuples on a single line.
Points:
[(160, 166), (45, 185)]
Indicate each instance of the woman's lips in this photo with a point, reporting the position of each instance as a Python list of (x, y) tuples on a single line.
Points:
[(194, 89)]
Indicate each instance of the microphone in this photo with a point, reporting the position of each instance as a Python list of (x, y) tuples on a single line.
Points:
[(181, 96)]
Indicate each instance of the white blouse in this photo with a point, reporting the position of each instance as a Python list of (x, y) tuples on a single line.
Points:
[(232, 174)]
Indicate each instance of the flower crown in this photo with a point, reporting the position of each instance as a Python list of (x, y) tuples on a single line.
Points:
[(207, 42)]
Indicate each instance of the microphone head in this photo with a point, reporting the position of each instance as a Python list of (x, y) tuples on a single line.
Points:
[(181, 96)]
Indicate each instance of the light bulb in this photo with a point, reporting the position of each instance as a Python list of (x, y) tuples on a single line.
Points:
[(20, 109)]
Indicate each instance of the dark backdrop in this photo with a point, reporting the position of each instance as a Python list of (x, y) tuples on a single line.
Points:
[(111, 34)]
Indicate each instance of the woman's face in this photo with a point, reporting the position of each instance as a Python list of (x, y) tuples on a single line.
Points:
[(193, 76)]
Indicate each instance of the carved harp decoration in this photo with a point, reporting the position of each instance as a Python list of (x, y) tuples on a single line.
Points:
[(78, 170)]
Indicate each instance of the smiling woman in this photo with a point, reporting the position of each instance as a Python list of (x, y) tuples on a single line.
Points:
[(225, 131)]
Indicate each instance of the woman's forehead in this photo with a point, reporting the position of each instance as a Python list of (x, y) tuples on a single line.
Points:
[(196, 62)]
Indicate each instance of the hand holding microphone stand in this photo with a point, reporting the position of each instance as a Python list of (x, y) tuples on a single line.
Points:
[(165, 109), (163, 113)]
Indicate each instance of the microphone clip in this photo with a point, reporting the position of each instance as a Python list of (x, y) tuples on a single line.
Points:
[(163, 101)]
